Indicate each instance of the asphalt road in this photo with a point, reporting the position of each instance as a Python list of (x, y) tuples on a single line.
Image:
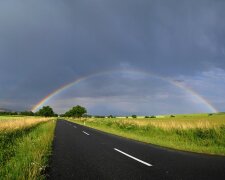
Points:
[(83, 153)]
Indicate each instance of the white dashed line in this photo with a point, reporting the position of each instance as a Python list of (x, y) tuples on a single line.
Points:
[(132, 157), (85, 133), (75, 126)]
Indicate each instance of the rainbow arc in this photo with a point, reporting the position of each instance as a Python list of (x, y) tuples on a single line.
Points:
[(175, 83)]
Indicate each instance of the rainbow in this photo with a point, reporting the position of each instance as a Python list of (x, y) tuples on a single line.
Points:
[(81, 79)]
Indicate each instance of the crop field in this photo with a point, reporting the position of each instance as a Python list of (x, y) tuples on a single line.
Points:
[(25, 146), (195, 133)]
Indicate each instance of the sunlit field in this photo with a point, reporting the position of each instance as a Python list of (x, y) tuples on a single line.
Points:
[(196, 133), (188, 122), (25, 146), (10, 123)]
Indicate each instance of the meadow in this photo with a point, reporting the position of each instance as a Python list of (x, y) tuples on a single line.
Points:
[(25, 146), (195, 133)]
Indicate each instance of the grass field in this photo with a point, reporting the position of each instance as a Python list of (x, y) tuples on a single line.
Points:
[(25, 145), (196, 133)]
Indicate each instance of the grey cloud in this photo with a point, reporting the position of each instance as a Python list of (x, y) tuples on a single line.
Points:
[(45, 44), (119, 95)]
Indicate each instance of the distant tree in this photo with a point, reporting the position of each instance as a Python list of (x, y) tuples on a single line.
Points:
[(146, 116), (99, 116), (14, 113), (56, 115), (4, 113), (153, 117), (210, 114), (110, 116), (27, 113), (46, 111), (172, 116), (76, 111), (134, 116)]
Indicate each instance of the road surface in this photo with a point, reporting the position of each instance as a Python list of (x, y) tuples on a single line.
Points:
[(83, 153)]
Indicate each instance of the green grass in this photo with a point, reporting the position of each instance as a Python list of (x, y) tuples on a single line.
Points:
[(24, 152), (200, 134)]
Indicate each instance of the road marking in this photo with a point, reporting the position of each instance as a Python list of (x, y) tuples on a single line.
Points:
[(132, 157), (74, 126), (85, 133)]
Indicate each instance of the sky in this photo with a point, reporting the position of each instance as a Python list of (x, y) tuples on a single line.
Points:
[(133, 56)]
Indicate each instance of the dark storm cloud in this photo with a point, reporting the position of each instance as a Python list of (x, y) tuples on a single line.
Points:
[(45, 44)]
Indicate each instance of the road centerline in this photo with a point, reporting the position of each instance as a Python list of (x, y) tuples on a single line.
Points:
[(132, 157), (85, 133)]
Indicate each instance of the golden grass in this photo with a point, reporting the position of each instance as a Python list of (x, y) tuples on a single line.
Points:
[(13, 123), (179, 122), (167, 123)]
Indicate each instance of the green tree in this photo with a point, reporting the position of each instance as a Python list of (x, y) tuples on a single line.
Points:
[(134, 116), (46, 111), (77, 111)]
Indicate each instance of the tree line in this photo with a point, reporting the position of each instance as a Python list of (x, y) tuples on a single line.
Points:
[(76, 111), (47, 111)]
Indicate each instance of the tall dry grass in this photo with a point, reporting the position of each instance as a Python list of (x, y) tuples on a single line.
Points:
[(8, 123), (178, 123)]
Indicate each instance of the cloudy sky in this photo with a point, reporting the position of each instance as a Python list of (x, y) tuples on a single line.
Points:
[(138, 56)]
